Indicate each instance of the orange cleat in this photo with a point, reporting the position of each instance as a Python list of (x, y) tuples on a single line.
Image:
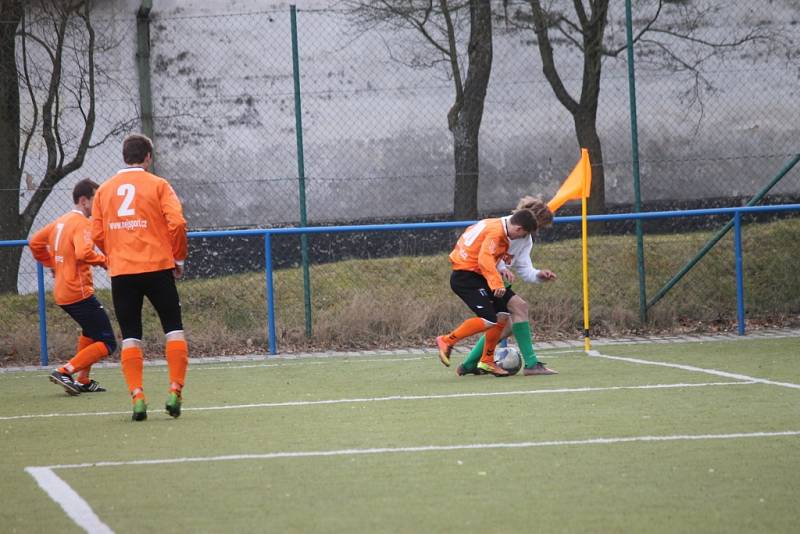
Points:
[(492, 368), (444, 351)]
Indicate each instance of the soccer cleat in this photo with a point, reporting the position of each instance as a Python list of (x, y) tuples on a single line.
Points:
[(91, 387), (444, 351), (492, 368), (139, 410), (461, 370), (65, 381), (538, 369), (173, 405)]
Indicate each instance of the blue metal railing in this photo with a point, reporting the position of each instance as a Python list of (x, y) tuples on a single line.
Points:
[(737, 213)]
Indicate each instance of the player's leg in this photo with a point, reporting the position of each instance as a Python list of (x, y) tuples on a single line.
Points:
[(473, 290), (128, 296), (163, 294), (95, 343), (492, 336), (470, 363), (522, 333), (499, 306)]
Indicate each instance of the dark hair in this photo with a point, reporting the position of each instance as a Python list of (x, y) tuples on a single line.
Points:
[(544, 217), (84, 188), (135, 148), (525, 219)]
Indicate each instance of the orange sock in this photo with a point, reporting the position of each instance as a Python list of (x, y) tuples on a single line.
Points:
[(132, 362), (89, 356), (492, 337), (83, 342), (83, 374), (177, 353), (470, 327)]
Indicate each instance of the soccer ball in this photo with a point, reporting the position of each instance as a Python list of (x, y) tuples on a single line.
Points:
[(508, 358)]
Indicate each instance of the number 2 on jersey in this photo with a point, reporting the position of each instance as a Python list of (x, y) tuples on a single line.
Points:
[(128, 191)]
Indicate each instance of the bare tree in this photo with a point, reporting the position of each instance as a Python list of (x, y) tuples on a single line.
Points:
[(677, 43), (47, 66), (438, 25)]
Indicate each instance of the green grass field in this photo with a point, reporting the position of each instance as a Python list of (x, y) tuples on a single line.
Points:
[(397, 443)]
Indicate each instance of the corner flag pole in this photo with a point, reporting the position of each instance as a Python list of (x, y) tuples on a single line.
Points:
[(585, 254), (578, 185)]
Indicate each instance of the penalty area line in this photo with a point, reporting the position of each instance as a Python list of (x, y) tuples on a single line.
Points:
[(715, 372), (73, 504)]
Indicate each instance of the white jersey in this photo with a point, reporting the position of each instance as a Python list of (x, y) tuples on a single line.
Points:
[(519, 251)]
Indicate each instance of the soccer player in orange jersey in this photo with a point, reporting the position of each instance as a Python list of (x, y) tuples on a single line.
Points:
[(137, 220), (519, 254), (65, 246), (476, 280)]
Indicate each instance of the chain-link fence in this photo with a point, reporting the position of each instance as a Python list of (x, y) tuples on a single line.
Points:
[(716, 87)]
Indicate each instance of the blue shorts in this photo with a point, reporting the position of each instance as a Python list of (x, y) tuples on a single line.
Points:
[(92, 317)]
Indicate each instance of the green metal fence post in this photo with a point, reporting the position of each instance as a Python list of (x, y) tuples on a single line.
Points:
[(724, 230), (143, 66), (301, 173), (637, 204)]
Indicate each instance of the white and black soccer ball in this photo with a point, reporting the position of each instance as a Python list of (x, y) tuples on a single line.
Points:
[(508, 358)]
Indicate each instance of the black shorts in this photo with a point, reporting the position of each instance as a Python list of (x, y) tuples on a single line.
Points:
[(128, 292), (474, 290), (92, 317)]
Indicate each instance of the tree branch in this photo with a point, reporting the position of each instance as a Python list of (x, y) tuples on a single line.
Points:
[(453, 55), (34, 104), (548, 63)]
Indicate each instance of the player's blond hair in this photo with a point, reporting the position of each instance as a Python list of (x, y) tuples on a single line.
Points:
[(543, 215)]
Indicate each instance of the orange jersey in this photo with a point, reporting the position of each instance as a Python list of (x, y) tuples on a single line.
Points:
[(137, 220), (65, 245), (480, 247)]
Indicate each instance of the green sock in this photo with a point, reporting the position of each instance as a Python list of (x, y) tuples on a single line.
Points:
[(471, 361), (522, 333)]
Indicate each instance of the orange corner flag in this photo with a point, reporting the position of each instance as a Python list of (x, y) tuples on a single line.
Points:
[(576, 186)]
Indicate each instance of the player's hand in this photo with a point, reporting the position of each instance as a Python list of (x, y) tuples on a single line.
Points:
[(508, 275), (499, 292), (547, 276), (178, 271)]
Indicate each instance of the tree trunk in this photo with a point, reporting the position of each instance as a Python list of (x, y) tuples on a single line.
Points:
[(465, 117), (465, 148), (10, 16), (586, 130)]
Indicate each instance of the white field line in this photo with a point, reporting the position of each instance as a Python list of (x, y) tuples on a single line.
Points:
[(429, 448), (270, 361), (392, 398), (73, 504), (199, 365), (736, 376), (207, 367), (81, 513)]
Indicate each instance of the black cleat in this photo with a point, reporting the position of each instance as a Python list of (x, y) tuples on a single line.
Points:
[(173, 405), (91, 387), (65, 381), (461, 371), (139, 410)]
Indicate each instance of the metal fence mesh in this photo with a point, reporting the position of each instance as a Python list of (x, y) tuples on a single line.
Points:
[(376, 148)]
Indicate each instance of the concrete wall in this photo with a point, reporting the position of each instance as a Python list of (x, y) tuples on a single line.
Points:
[(375, 133)]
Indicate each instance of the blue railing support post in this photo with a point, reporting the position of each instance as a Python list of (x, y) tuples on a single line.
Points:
[(737, 240), (273, 349), (43, 358)]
